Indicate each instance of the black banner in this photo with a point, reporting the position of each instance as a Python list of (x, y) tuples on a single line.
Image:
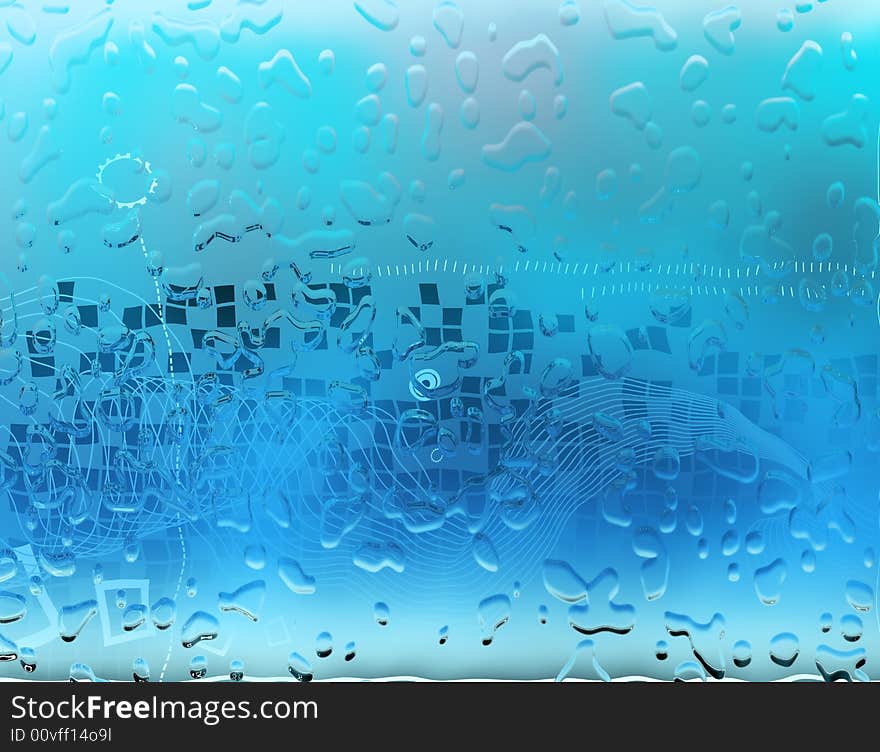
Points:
[(114, 714)]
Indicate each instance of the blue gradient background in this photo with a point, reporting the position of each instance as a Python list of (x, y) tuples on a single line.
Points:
[(611, 263)]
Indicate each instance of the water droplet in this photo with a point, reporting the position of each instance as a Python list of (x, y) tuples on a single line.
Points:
[(835, 195), (632, 102), (718, 28), (236, 670), (851, 627), (808, 560), (493, 613), (742, 653), (382, 614), (666, 464), (569, 13), (528, 105), (449, 21), (704, 638), (626, 20), (72, 619), (324, 645), (132, 551), (198, 667), (701, 113), (859, 595), (299, 667), (484, 553), (28, 660), (524, 143), (12, 607), (562, 582), (693, 73), (246, 600), (255, 556), (608, 427), (610, 350), (134, 616), (730, 543), (543, 614), (754, 542), (163, 613), (670, 305), (802, 70), (768, 581), (82, 672), (703, 549), (582, 662), (822, 247), (784, 20), (694, 521), (709, 338), (730, 511), (689, 671), (198, 627)]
